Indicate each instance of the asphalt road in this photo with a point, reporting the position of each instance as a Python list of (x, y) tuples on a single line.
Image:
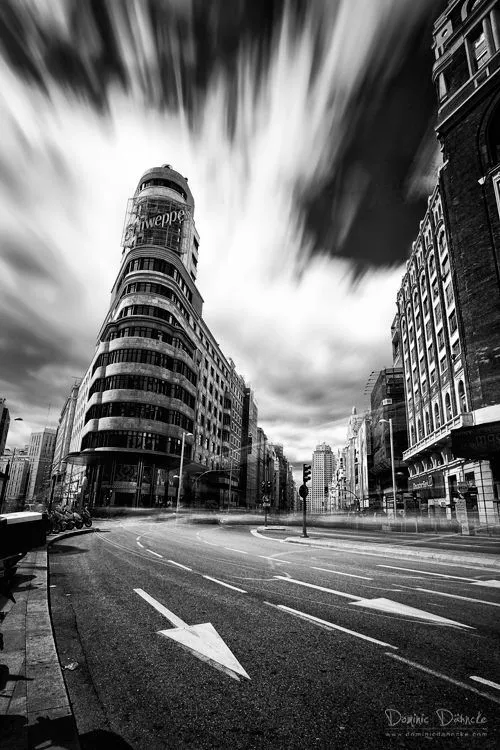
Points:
[(321, 646)]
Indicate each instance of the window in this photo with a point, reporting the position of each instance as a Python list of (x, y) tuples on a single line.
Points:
[(445, 265), (438, 315), (479, 49), (449, 294), (452, 321), (437, 416), (432, 264), (430, 352), (435, 289), (428, 330), (443, 364), (455, 350), (447, 407), (425, 305), (461, 397), (440, 339), (428, 426)]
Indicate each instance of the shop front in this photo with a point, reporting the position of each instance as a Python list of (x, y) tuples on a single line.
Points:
[(429, 493)]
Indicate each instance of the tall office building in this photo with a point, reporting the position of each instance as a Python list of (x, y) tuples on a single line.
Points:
[(40, 455), (158, 372), (322, 473), (448, 302), (61, 449), (4, 424)]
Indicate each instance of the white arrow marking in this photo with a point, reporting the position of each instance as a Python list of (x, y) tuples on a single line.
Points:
[(386, 605), (203, 641), (491, 583)]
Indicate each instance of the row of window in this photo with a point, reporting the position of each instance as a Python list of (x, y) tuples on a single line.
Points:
[(147, 332), (432, 421), (139, 411), (145, 441), (160, 182), (143, 383), (160, 266), (148, 357), (151, 312), (148, 287)]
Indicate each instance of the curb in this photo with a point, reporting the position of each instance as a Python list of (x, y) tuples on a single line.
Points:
[(378, 550), (73, 532)]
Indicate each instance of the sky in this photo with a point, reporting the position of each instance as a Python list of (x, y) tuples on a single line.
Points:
[(306, 133)]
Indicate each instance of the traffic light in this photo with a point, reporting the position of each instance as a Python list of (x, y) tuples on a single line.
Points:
[(306, 473), (268, 487)]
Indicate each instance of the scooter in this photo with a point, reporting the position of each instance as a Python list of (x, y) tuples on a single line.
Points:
[(78, 519), (87, 518)]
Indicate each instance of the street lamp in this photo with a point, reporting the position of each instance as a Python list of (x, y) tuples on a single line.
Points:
[(184, 435), (392, 463)]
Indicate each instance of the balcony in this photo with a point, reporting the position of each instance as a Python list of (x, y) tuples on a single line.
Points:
[(438, 437)]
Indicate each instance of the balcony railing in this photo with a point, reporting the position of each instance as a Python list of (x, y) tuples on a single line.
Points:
[(460, 420)]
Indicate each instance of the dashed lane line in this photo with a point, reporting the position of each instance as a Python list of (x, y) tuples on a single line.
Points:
[(427, 573), (318, 588), (231, 549), (441, 676), (179, 565), (338, 572), (153, 553), (227, 585), (328, 625), (485, 682)]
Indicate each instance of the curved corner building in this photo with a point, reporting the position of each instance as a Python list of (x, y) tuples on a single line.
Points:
[(157, 371)]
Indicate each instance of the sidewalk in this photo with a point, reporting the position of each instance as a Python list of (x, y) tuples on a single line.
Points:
[(396, 549), (35, 711)]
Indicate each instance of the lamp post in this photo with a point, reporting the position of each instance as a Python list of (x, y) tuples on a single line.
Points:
[(393, 511), (184, 435)]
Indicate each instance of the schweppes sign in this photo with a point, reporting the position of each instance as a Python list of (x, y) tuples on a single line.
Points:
[(141, 224)]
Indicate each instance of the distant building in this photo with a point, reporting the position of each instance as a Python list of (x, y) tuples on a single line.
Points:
[(19, 470), (249, 469), (4, 424), (61, 450), (322, 473), (40, 455), (387, 401)]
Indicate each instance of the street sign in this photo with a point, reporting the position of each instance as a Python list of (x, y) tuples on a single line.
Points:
[(303, 490), (266, 505)]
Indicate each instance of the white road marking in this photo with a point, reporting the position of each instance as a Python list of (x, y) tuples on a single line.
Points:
[(443, 677), (227, 585), (140, 545), (203, 641), (328, 625), (318, 588), (387, 605), (275, 559), (138, 539), (491, 583), (153, 553), (231, 549), (338, 572), (427, 573), (185, 567), (456, 596), (485, 682)]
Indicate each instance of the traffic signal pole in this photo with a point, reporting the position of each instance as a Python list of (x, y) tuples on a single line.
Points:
[(303, 492)]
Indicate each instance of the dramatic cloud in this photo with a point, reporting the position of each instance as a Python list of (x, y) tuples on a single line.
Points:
[(304, 129)]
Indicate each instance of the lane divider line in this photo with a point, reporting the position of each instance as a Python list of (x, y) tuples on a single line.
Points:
[(339, 573), (153, 553), (485, 682), (328, 625), (456, 596), (427, 573), (184, 567), (445, 677), (318, 588), (275, 559), (231, 549), (227, 585)]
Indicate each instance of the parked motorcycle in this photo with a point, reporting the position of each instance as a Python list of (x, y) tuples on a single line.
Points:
[(78, 519)]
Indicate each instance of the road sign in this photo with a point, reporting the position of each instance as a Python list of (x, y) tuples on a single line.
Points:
[(303, 490), (266, 504)]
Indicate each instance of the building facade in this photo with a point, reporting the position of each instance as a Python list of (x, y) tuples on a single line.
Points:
[(158, 372), (322, 472), (4, 424), (60, 479), (40, 456), (448, 304)]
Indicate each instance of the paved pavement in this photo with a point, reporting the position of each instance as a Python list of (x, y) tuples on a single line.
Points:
[(35, 711)]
